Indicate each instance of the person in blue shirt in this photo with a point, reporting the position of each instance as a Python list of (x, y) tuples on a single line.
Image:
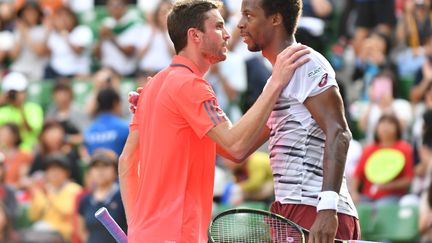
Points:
[(108, 130), (105, 193)]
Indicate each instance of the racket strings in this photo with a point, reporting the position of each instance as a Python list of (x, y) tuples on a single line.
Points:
[(253, 228)]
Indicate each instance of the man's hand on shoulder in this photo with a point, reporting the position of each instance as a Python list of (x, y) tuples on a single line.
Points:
[(287, 62)]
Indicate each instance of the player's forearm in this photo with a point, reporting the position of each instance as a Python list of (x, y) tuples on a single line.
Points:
[(263, 137), (336, 148), (246, 132), (128, 171)]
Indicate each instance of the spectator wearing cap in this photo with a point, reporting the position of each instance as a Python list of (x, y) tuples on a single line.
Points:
[(108, 130), (105, 193), (28, 116), (53, 197)]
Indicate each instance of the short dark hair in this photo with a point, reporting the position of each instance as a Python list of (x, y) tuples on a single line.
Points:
[(188, 14), (393, 119), (62, 86), (106, 100), (289, 9)]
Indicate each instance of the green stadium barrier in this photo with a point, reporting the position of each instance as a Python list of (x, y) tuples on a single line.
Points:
[(395, 223), (405, 85), (365, 213), (40, 92), (248, 204), (23, 221)]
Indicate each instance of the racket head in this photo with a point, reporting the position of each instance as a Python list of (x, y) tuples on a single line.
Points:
[(253, 226), (384, 165)]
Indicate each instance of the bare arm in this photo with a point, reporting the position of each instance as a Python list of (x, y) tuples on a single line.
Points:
[(238, 139), (263, 137), (82, 230), (128, 171), (418, 91), (327, 110)]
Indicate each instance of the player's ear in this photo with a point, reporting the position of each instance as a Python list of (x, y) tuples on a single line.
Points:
[(277, 19), (194, 35)]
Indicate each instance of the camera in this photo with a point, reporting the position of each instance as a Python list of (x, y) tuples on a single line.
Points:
[(12, 95)]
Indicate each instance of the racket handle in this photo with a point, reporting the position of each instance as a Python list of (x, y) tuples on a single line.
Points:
[(110, 224)]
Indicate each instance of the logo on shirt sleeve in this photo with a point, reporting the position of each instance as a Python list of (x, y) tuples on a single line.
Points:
[(315, 72), (323, 81)]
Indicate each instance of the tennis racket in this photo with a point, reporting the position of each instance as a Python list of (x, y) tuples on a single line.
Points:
[(244, 225), (110, 224)]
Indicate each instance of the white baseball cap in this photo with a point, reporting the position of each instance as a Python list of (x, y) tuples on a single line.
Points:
[(14, 81)]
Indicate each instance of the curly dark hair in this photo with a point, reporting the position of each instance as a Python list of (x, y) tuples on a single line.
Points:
[(289, 9), (185, 15)]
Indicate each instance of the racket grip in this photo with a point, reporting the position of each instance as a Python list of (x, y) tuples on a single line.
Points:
[(110, 224)]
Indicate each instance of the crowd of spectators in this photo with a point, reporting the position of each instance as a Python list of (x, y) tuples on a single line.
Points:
[(58, 160)]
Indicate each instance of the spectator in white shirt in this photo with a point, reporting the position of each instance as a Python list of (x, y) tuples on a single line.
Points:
[(69, 46), (155, 47), (30, 35), (116, 47)]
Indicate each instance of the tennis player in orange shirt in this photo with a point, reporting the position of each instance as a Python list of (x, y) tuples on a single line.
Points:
[(167, 166)]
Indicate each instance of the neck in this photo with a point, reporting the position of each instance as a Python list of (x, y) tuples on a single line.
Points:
[(387, 143), (279, 43), (202, 64), (104, 187)]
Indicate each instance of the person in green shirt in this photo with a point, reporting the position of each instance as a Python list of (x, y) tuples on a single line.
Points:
[(15, 109)]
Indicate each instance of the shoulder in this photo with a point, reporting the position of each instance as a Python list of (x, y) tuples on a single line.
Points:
[(404, 146), (318, 64), (73, 187), (32, 106), (369, 149)]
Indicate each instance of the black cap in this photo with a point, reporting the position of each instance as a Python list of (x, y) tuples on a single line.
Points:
[(103, 156), (58, 159)]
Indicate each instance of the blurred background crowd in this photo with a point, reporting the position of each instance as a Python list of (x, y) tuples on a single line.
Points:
[(66, 67)]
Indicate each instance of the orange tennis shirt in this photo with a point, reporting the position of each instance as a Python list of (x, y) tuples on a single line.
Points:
[(176, 159)]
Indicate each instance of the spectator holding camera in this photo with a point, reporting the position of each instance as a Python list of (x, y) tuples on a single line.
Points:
[(28, 116), (382, 100), (116, 47)]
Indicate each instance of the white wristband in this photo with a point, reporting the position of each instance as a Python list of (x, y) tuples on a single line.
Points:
[(327, 200)]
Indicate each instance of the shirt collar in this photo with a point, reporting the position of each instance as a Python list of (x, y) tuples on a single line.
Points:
[(187, 62)]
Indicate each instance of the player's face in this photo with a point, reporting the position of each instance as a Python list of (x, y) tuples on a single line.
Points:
[(255, 27), (215, 38)]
